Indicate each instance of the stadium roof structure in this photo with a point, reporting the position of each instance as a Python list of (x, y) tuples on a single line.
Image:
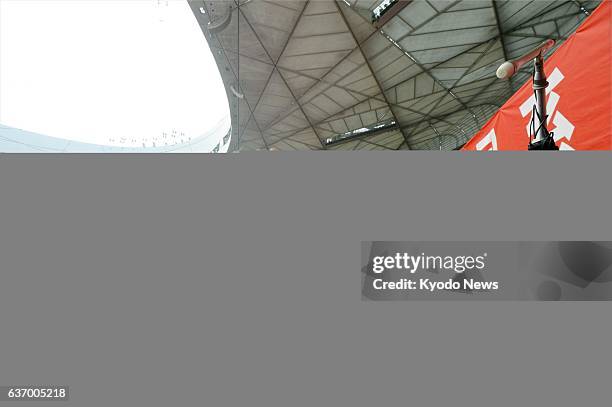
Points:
[(372, 74)]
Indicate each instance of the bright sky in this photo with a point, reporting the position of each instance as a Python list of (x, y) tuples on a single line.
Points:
[(118, 72)]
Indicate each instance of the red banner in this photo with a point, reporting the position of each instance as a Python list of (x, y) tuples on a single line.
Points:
[(578, 95)]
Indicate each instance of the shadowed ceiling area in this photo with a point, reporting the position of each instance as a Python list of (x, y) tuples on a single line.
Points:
[(325, 74)]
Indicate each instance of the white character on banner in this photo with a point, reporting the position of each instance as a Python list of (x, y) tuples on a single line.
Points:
[(488, 142)]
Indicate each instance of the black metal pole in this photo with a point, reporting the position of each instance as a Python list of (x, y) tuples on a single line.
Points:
[(542, 139)]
